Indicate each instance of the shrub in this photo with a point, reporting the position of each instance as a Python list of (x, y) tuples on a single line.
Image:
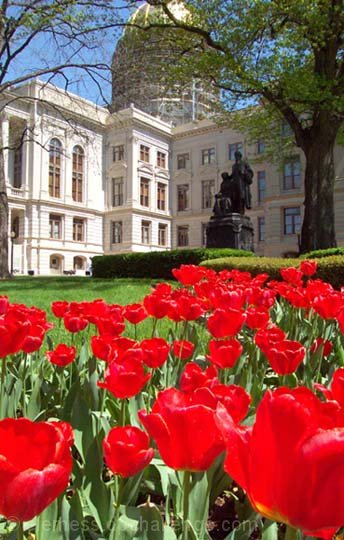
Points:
[(156, 264), (330, 269), (320, 253)]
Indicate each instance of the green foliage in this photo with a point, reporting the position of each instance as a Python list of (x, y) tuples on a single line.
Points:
[(330, 269), (156, 264), (320, 253)]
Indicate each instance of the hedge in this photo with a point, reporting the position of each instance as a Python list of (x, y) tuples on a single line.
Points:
[(156, 264), (319, 253), (330, 269)]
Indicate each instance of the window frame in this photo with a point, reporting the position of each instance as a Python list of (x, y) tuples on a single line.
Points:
[(146, 230), (53, 220), (118, 153), (261, 192), (117, 198), (208, 197), (162, 234), (235, 147), (295, 227), (144, 191), (208, 156), (161, 191), (55, 168), (79, 229), (183, 195), (117, 232), (78, 173), (261, 228), (183, 241), (292, 181), (144, 153), (182, 159)]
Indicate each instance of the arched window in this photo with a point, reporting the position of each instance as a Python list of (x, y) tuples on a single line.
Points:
[(55, 153), (78, 173), (79, 263)]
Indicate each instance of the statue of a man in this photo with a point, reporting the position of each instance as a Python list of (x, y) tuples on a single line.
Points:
[(242, 177)]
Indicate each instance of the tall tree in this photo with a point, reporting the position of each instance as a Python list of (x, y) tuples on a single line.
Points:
[(287, 55), (45, 37)]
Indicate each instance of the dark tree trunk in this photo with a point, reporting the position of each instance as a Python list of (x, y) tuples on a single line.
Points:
[(4, 272), (318, 228)]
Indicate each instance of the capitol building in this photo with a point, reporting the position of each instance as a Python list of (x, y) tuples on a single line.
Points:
[(140, 175)]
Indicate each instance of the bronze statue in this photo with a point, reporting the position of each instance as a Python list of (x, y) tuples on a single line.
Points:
[(235, 194)]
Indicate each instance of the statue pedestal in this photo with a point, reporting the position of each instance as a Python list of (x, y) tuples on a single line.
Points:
[(230, 231)]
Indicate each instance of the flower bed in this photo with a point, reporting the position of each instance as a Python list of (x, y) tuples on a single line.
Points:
[(111, 437)]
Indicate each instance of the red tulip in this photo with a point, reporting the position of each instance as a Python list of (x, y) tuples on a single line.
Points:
[(184, 429), (59, 309), (183, 349), (62, 355), (135, 313), (257, 317), (340, 319), (225, 323), (224, 353), (308, 268), (290, 462), (155, 352), (285, 356), (189, 274), (12, 336), (35, 466), (102, 348), (193, 377), (126, 450), (3, 304), (292, 275), (267, 337), (125, 379), (74, 322), (329, 306)]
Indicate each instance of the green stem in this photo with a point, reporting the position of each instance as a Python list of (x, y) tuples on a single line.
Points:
[(24, 384), (290, 533), (155, 322), (120, 486), (186, 493), (20, 531), (123, 411)]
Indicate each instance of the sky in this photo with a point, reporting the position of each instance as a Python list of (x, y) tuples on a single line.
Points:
[(41, 53)]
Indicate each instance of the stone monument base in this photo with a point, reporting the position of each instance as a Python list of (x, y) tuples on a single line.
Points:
[(230, 231)]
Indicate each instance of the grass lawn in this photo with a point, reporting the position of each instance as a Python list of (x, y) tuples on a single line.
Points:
[(41, 291)]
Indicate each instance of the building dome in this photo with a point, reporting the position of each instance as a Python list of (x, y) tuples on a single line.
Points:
[(141, 74)]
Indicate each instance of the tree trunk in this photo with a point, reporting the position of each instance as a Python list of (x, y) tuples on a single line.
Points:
[(318, 228), (4, 272)]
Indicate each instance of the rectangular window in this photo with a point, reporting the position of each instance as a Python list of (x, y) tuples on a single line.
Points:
[(161, 159), (292, 220), (261, 229), (204, 234), (208, 189), (182, 161), (161, 196), (116, 232), (78, 230), (208, 156), (162, 234), (117, 191), (144, 192), (232, 148), (261, 185), (17, 167), (145, 232), (292, 174), (144, 153), (182, 197), (183, 236), (55, 226), (118, 152), (261, 146)]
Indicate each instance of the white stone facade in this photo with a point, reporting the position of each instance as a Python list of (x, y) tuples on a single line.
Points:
[(87, 182)]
